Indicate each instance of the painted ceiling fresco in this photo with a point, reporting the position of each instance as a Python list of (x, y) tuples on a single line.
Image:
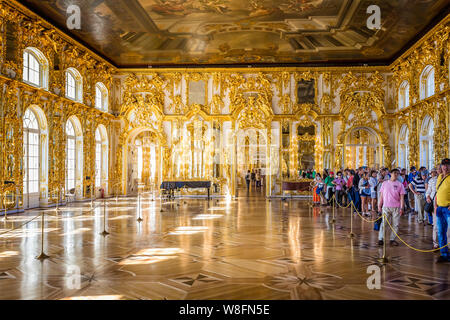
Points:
[(139, 33)]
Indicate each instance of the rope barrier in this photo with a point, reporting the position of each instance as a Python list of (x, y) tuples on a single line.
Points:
[(20, 226), (366, 220), (346, 207), (355, 209), (393, 230)]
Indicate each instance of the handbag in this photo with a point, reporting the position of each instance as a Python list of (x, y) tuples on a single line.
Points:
[(429, 207)]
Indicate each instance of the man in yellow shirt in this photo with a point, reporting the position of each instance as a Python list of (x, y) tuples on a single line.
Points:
[(442, 205)]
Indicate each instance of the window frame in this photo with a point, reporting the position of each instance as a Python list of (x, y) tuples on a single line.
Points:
[(427, 87), (73, 138), (42, 72), (78, 85), (27, 132), (101, 100)]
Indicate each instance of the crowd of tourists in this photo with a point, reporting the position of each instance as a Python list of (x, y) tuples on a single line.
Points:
[(392, 193)]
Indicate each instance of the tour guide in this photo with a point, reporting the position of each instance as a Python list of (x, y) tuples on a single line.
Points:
[(443, 208)]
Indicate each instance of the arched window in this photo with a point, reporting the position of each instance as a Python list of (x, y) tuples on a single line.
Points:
[(403, 148), (74, 156), (363, 148), (427, 82), (101, 158), (101, 97), (74, 85), (34, 156), (327, 160), (140, 159), (426, 143), (70, 156), (35, 68), (403, 95)]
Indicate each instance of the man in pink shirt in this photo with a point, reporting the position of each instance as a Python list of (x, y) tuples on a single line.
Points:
[(391, 204)]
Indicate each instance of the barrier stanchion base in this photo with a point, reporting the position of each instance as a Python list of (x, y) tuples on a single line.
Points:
[(42, 257), (383, 260), (351, 235), (140, 219), (333, 221), (104, 233)]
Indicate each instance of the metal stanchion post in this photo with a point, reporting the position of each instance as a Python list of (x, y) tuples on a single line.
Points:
[(351, 234), (57, 201), (384, 259), (104, 233), (42, 256), (139, 207), (5, 217), (92, 197), (333, 203), (160, 202)]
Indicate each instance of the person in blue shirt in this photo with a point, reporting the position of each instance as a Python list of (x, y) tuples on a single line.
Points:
[(412, 174)]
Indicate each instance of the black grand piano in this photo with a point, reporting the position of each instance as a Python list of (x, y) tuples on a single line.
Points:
[(171, 186)]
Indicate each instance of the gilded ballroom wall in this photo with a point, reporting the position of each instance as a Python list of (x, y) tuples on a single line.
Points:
[(210, 124)]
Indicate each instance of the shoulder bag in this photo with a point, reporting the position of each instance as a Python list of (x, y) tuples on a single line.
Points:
[(429, 207)]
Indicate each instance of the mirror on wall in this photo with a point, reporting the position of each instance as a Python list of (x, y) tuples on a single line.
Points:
[(306, 136)]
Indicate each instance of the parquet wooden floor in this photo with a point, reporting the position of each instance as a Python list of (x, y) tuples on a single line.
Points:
[(248, 248)]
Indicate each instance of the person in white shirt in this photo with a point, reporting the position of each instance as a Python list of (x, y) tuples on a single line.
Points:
[(429, 195)]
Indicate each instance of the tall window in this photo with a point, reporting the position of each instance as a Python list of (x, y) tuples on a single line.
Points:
[(71, 87), (98, 158), (74, 85), (140, 159), (403, 95), (30, 153), (403, 148), (101, 158), (427, 82), (70, 156), (35, 68), (101, 96), (31, 69), (426, 143)]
